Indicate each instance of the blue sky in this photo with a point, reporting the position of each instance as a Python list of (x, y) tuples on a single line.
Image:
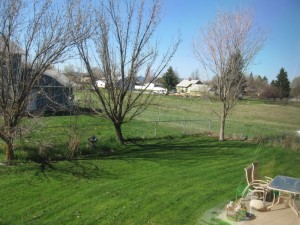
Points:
[(282, 48)]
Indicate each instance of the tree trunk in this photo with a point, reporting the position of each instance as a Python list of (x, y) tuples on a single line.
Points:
[(119, 133), (9, 151), (222, 128)]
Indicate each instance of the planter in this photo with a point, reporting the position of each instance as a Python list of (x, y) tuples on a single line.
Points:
[(235, 212)]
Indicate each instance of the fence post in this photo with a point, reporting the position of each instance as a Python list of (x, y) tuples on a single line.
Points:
[(156, 123), (183, 125)]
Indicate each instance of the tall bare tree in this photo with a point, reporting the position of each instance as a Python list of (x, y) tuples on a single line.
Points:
[(295, 87), (33, 36), (225, 48), (195, 75), (124, 40)]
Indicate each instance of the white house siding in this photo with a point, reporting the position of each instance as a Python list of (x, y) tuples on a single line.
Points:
[(100, 84), (185, 85)]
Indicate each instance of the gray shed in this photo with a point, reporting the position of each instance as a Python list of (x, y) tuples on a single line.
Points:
[(53, 92)]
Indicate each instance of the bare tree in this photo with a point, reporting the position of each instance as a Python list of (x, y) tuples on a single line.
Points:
[(33, 36), (225, 49), (295, 87), (125, 48), (195, 75)]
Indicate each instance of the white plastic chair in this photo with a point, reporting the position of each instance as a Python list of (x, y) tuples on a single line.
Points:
[(256, 185)]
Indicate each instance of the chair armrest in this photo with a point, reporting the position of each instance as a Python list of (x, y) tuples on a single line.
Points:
[(260, 182), (269, 179), (256, 190)]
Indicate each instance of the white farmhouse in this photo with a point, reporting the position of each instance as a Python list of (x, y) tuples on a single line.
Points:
[(185, 85), (202, 89)]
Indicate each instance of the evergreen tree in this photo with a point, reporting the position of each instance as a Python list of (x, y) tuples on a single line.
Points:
[(170, 79), (265, 79), (282, 82)]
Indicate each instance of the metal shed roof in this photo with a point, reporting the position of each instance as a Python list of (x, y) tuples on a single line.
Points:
[(61, 78)]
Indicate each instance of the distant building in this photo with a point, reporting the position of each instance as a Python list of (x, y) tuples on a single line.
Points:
[(202, 89), (144, 87), (101, 83), (152, 87), (53, 92), (85, 78), (185, 85)]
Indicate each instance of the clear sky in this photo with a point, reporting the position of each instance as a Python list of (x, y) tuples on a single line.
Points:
[(282, 17)]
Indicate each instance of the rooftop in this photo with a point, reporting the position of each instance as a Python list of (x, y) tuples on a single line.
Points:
[(61, 78), (187, 83)]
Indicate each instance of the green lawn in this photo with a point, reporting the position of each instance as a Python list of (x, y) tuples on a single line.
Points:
[(158, 181), (161, 176)]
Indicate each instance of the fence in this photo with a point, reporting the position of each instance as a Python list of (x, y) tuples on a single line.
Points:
[(193, 126), (166, 124), (161, 125)]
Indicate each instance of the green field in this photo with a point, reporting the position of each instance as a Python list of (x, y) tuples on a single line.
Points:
[(250, 117), (163, 175)]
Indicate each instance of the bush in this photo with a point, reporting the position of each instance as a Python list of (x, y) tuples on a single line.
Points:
[(290, 141)]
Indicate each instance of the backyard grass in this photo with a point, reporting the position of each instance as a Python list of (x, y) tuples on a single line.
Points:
[(159, 181), (163, 175)]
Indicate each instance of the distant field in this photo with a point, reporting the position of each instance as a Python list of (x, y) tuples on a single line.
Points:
[(250, 118), (246, 111), (249, 115)]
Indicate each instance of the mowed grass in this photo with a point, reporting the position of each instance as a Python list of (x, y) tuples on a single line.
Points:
[(158, 177), (159, 181)]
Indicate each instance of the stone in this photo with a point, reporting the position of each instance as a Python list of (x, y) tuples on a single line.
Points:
[(257, 204)]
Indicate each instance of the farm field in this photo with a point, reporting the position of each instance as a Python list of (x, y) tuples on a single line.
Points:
[(259, 115), (167, 173), (248, 112)]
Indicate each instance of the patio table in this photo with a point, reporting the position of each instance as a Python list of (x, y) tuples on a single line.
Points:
[(288, 185)]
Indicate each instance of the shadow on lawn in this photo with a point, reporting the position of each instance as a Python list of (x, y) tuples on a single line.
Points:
[(181, 148), (81, 169), (191, 148)]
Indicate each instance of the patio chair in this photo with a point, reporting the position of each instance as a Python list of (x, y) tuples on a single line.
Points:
[(254, 183), (255, 175)]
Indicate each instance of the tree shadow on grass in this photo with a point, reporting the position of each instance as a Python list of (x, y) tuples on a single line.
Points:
[(182, 148), (189, 149), (80, 169)]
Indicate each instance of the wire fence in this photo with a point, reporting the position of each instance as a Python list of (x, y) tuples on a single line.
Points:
[(156, 125), (166, 124), (232, 128)]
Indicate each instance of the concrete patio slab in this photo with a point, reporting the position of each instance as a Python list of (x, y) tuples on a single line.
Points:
[(278, 215)]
